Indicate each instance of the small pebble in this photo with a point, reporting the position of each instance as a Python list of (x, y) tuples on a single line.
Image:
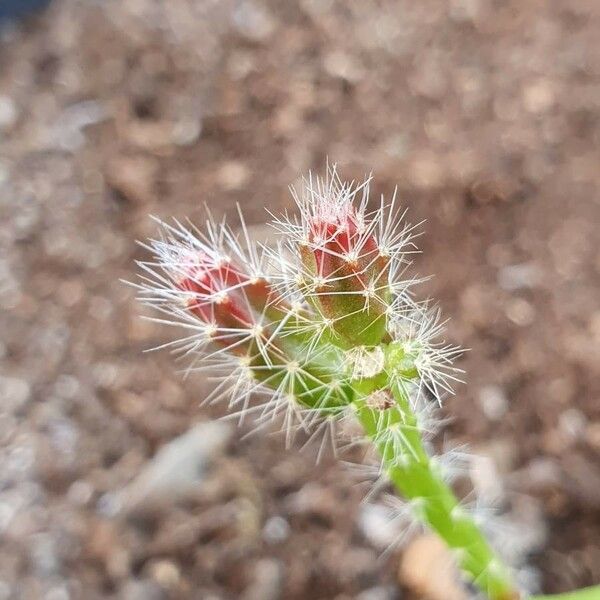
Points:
[(375, 523), (427, 567), (15, 393), (166, 573), (109, 505), (186, 131), (343, 65), (8, 113), (5, 591), (493, 401), (520, 312), (538, 96), (516, 277), (142, 590), (59, 592), (233, 175), (132, 178), (276, 530), (593, 435), (80, 492), (253, 21), (573, 422), (380, 593), (486, 479), (268, 579)]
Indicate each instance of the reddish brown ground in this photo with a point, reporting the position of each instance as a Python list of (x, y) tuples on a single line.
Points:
[(485, 113)]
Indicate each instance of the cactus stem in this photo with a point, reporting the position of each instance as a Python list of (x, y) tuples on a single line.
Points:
[(396, 434)]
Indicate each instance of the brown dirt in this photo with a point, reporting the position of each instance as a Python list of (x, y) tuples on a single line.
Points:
[(485, 113)]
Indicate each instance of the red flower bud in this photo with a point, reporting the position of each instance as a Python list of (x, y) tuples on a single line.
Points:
[(215, 291), (220, 294), (347, 274)]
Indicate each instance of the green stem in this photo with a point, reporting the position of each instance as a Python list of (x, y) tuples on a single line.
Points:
[(590, 593), (395, 433)]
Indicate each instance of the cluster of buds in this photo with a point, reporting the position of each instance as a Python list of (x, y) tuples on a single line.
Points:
[(297, 320), (219, 290), (323, 325)]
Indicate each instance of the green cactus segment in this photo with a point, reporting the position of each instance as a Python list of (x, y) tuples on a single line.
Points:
[(591, 593), (347, 296), (362, 324), (395, 432), (310, 383)]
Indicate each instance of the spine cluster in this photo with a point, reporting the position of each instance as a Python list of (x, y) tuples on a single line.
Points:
[(324, 326)]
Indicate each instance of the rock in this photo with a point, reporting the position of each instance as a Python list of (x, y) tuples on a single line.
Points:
[(355, 564), (572, 423), (520, 312), (538, 96), (488, 191), (376, 524), (68, 133), (179, 534), (165, 572), (516, 277), (142, 590), (20, 461), (80, 492), (118, 564), (268, 579), (104, 545), (180, 531), (426, 171), (487, 482), (109, 505), (4, 173), (493, 401), (429, 80), (186, 131), (233, 175), (428, 569), (380, 593), (592, 435), (466, 11), (344, 66), (312, 499), (132, 178), (8, 113), (151, 136), (177, 468), (57, 592), (253, 21), (15, 394), (276, 530), (44, 556)]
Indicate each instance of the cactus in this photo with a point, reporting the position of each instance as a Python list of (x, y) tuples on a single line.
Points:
[(324, 327)]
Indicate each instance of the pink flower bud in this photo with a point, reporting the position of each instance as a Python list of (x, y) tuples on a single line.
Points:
[(348, 281), (216, 292)]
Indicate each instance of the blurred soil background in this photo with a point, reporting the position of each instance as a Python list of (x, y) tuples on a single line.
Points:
[(485, 113)]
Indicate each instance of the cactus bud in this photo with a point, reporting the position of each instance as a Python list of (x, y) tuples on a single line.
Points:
[(345, 274), (213, 292)]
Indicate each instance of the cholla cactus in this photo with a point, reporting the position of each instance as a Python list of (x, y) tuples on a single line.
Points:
[(324, 327)]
